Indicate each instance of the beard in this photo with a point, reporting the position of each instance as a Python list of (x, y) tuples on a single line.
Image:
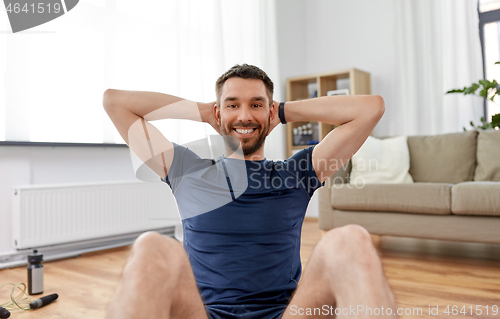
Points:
[(249, 145)]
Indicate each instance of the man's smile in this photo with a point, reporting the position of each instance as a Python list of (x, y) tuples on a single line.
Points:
[(244, 132)]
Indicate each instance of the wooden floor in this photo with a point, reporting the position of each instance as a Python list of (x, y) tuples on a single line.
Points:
[(418, 278)]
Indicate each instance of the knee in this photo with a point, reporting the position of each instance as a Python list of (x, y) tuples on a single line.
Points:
[(347, 235), (154, 258), (152, 240), (350, 244), (153, 250)]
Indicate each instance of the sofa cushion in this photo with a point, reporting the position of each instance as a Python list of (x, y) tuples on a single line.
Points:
[(488, 156), (476, 198), (443, 227), (342, 175), (446, 158), (424, 198)]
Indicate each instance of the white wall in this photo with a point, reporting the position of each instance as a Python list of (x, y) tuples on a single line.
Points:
[(35, 165), (292, 35), (328, 35)]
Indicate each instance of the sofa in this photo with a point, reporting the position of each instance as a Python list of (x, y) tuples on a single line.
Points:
[(454, 196)]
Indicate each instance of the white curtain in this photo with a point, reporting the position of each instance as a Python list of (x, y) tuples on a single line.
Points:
[(56, 73), (438, 49)]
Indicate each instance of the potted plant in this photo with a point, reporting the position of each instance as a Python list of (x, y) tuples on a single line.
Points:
[(486, 88)]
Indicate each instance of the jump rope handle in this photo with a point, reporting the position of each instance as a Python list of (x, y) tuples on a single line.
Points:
[(4, 313)]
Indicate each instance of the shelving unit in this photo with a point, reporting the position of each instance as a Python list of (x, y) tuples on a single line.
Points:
[(300, 88)]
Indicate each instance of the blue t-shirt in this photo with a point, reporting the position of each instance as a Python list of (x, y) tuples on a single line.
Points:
[(242, 223)]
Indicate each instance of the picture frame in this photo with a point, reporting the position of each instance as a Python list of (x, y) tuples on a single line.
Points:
[(338, 92)]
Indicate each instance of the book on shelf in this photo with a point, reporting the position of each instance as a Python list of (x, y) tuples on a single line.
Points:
[(307, 134), (338, 92)]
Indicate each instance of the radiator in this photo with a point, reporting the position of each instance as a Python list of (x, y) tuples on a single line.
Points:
[(60, 214)]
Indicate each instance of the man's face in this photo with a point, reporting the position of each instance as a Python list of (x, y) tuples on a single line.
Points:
[(244, 114)]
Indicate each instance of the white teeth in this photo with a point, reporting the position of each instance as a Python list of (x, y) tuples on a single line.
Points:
[(244, 131)]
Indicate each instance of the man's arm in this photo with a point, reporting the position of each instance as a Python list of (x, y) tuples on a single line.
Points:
[(357, 116), (130, 112)]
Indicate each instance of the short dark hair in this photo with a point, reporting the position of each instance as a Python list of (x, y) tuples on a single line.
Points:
[(245, 71)]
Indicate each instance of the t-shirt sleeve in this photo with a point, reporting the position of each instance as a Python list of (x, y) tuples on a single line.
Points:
[(183, 163), (300, 164)]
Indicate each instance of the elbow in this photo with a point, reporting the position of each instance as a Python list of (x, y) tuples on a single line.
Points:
[(106, 98), (379, 105)]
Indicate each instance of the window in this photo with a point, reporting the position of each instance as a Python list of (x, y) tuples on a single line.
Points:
[(489, 28), (54, 75)]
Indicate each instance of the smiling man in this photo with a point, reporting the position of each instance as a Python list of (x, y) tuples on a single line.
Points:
[(242, 214), (238, 119)]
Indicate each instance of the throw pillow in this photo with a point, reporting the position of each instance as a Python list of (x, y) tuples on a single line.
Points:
[(446, 158), (381, 161), (488, 156)]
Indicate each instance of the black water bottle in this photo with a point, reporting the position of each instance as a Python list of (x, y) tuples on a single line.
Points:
[(35, 273)]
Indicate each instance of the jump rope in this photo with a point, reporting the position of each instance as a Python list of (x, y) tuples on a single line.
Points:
[(22, 301)]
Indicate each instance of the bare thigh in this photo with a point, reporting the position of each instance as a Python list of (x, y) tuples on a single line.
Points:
[(343, 271), (157, 282), (313, 295)]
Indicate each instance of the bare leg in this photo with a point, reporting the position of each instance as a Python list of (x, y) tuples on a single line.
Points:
[(344, 272), (157, 282), (377, 241)]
